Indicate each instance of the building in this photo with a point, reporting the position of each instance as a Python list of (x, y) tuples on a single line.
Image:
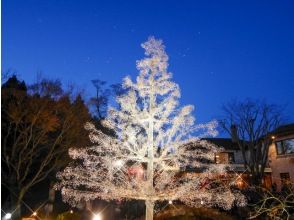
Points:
[(232, 155), (280, 168), (281, 155)]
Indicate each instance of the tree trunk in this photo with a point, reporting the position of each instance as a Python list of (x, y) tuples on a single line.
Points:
[(15, 206), (150, 165), (255, 179), (51, 199), (149, 209)]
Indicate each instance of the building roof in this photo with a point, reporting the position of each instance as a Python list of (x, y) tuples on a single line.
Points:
[(226, 143), (284, 129)]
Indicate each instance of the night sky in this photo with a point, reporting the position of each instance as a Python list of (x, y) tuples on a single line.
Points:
[(218, 50)]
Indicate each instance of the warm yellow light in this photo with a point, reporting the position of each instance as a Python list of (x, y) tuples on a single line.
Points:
[(71, 211), (34, 213), (273, 137), (239, 183), (170, 202), (97, 217)]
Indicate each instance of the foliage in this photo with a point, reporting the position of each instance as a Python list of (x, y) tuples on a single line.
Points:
[(39, 124), (181, 212), (68, 216)]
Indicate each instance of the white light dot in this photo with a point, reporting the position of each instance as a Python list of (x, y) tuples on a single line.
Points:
[(8, 216), (170, 202), (118, 163)]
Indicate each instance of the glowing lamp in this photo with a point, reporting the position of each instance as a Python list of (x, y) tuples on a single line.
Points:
[(8, 216), (97, 217)]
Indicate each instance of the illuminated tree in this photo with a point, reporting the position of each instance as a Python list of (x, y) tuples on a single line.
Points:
[(155, 142)]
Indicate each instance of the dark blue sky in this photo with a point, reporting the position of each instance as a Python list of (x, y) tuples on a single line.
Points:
[(218, 50)]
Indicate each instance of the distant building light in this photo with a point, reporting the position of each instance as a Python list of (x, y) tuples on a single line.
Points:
[(71, 211), (273, 137)]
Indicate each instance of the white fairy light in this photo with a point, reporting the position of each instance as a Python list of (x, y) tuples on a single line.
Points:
[(118, 163), (155, 140)]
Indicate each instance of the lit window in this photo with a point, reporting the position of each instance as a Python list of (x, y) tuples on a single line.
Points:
[(285, 147), (224, 158)]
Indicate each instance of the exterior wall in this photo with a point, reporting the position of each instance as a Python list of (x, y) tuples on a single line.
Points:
[(238, 157), (280, 163), (223, 156), (243, 177)]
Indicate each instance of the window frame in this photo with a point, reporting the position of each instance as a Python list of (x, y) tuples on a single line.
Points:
[(285, 178), (224, 157), (281, 142), (231, 155)]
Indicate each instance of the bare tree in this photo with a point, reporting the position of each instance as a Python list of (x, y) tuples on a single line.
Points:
[(101, 100), (275, 205), (249, 123)]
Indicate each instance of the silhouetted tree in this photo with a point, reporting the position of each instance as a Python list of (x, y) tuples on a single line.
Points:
[(39, 124), (249, 123), (100, 101)]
